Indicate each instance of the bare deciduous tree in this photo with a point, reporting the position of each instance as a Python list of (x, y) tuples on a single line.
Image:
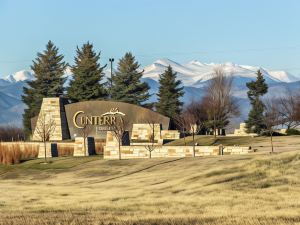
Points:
[(298, 108), (272, 118), (288, 109), (118, 131), (194, 113), (152, 136), (181, 124), (219, 101), (197, 110), (45, 127), (11, 133), (192, 120), (192, 126)]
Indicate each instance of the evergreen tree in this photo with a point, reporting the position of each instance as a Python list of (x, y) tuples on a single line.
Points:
[(169, 94), (48, 70), (126, 82), (87, 75), (257, 88)]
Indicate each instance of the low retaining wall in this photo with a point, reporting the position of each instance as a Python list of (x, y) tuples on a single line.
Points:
[(129, 152)]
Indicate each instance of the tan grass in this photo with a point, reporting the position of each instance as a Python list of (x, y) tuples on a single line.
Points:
[(99, 145), (246, 189), (253, 189), (65, 150), (13, 153), (87, 217)]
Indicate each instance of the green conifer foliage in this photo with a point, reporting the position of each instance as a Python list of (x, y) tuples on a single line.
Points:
[(257, 89), (126, 82), (48, 70), (87, 76), (170, 91)]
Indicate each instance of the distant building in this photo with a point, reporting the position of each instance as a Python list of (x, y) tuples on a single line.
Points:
[(242, 131)]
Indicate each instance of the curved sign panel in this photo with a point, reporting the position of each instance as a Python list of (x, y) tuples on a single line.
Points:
[(100, 116)]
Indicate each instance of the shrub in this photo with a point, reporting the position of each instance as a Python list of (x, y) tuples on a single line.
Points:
[(292, 132)]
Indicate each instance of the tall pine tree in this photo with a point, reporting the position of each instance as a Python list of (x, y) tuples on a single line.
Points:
[(126, 82), (257, 89), (87, 75), (170, 91), (48, 70)]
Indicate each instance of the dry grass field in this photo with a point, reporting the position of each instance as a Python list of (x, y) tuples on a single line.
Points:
[(253, 189)]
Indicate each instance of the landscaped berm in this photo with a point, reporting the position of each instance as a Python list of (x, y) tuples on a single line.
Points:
[(250, 189)]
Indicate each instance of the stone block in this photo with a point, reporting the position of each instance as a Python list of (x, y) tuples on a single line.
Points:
[(170, 134), (141, 134), (171, 151), (52, 109)]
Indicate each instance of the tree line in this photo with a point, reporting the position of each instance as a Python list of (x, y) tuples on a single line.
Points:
[(212, 113), (209, 114), (87, 82), (267, 115)]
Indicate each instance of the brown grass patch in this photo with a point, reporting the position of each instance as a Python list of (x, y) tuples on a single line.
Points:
[(13, 153), (99, 145), (65, 150), (88, 218)]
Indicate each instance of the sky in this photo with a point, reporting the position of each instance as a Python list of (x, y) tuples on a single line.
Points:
[(258, 32)]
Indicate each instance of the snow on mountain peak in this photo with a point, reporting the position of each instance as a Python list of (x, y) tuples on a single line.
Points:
[(20, 76), (195, 71), (229, 64), (24, 75), (196, 63), (190, 74), (283, 76), (10, 78), (166, 62)]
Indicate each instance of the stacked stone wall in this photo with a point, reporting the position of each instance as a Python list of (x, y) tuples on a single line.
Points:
[(130, 152)]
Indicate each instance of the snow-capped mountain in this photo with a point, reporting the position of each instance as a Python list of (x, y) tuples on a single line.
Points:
[(195, 72), (194, 76), (283, 76), (20, 76)]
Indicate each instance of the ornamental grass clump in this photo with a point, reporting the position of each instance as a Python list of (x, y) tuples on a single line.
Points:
[(65, 150), (12, 153)]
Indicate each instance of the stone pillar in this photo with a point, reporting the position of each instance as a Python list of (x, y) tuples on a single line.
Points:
[(89, 146), (111, 140), (79, 147), (53, 110)]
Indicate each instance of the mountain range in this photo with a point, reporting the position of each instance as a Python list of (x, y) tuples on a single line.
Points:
[(194, 76)]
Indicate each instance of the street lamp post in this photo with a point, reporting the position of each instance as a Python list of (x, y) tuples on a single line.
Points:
[(111, 60)]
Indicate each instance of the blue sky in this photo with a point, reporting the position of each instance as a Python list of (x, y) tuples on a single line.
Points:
[(257, 32)]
